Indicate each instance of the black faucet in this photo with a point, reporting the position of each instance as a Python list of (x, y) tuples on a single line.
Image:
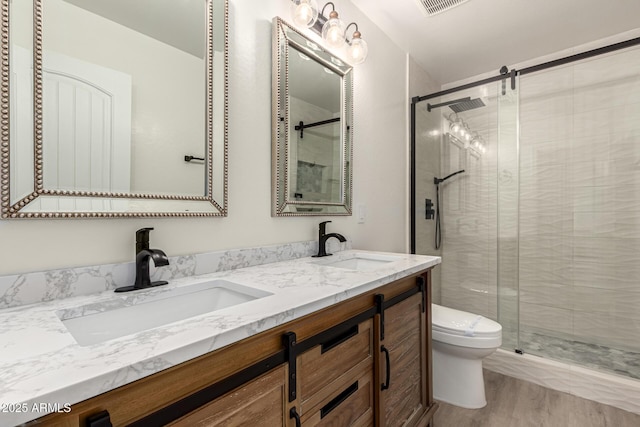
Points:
[(323, 237), (143, 254)]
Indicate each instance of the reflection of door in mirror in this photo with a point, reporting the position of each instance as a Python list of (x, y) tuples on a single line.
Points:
[(315, 120), (167, 94), (87, 126)]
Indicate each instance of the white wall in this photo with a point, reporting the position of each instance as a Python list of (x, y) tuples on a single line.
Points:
[(380, 159)]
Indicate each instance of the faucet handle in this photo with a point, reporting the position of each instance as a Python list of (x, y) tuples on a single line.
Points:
[(142, 239), (322, 226)]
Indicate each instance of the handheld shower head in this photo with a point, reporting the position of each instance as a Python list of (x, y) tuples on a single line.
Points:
[(437, 180)]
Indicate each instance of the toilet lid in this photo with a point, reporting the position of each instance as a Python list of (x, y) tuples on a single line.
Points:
[(456, 322)]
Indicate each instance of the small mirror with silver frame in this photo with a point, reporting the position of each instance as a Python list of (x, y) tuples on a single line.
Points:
[(114, 108), (312, 127)]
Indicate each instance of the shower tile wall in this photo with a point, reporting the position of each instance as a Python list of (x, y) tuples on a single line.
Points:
[(580, 201), (468, 209)]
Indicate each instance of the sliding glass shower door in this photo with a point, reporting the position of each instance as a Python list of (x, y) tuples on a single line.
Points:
[(466, 184), (528, 187)]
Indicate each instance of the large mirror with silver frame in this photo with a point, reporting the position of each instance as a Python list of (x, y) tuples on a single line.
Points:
[(312, 127), (113, 108)]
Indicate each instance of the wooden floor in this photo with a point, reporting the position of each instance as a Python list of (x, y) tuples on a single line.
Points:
[(517, 403)]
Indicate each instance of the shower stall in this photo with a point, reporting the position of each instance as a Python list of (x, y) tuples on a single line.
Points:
[(541, 231)]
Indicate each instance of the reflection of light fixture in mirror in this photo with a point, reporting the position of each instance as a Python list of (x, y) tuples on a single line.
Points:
[(312, 45), (475, 139), (303, 56), (328, 70), (305, 12), (455, 124), (477, 143), (357, 49), (336, 61), (465, 133), (459, 129)]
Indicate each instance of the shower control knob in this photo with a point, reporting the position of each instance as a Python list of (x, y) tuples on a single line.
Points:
[(429, 212)]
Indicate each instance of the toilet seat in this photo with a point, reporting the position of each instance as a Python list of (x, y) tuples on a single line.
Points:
[(464, 329)]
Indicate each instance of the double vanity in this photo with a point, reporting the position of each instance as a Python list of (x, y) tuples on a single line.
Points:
[(341, 340)]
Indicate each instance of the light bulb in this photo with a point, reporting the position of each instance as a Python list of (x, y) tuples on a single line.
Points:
[(333, 31), (357, 50), (305, 13)]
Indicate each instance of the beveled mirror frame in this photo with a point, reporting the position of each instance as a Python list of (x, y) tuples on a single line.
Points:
[(284, 36), (155, 205)]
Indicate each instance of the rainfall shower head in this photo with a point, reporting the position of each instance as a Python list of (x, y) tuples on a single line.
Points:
[(459, 105), (437, 180), (467, 105)]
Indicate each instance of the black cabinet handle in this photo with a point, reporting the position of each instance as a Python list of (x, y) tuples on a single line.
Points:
[(339, 339), (294, 414), (385, 385), (101, 419), (336, 401)]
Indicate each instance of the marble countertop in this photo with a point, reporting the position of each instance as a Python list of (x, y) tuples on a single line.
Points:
[(41, 362)]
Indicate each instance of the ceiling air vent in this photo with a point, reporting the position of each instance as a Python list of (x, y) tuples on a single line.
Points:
[(433, 7)]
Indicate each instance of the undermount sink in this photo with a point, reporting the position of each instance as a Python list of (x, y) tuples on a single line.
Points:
[(359, 261), (160, 308)]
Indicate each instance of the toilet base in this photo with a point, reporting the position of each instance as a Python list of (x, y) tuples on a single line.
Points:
[(457, 380)]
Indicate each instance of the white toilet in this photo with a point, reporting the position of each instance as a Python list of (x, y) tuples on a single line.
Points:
[(460, 341)]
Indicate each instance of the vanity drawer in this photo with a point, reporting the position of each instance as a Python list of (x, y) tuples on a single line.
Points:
[(335, 358), (350, 405)]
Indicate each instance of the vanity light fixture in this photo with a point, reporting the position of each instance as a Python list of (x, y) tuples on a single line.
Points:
[(357, 49), (305, 12), (332, 29)]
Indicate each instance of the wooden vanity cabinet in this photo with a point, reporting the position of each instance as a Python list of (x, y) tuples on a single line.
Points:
[(260, 402), (362, 362)]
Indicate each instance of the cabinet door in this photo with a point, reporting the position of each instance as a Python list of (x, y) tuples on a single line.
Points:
[(261, 402), (403, 364)]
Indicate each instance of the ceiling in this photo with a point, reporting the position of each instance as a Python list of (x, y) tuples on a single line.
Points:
[(480, 36)]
